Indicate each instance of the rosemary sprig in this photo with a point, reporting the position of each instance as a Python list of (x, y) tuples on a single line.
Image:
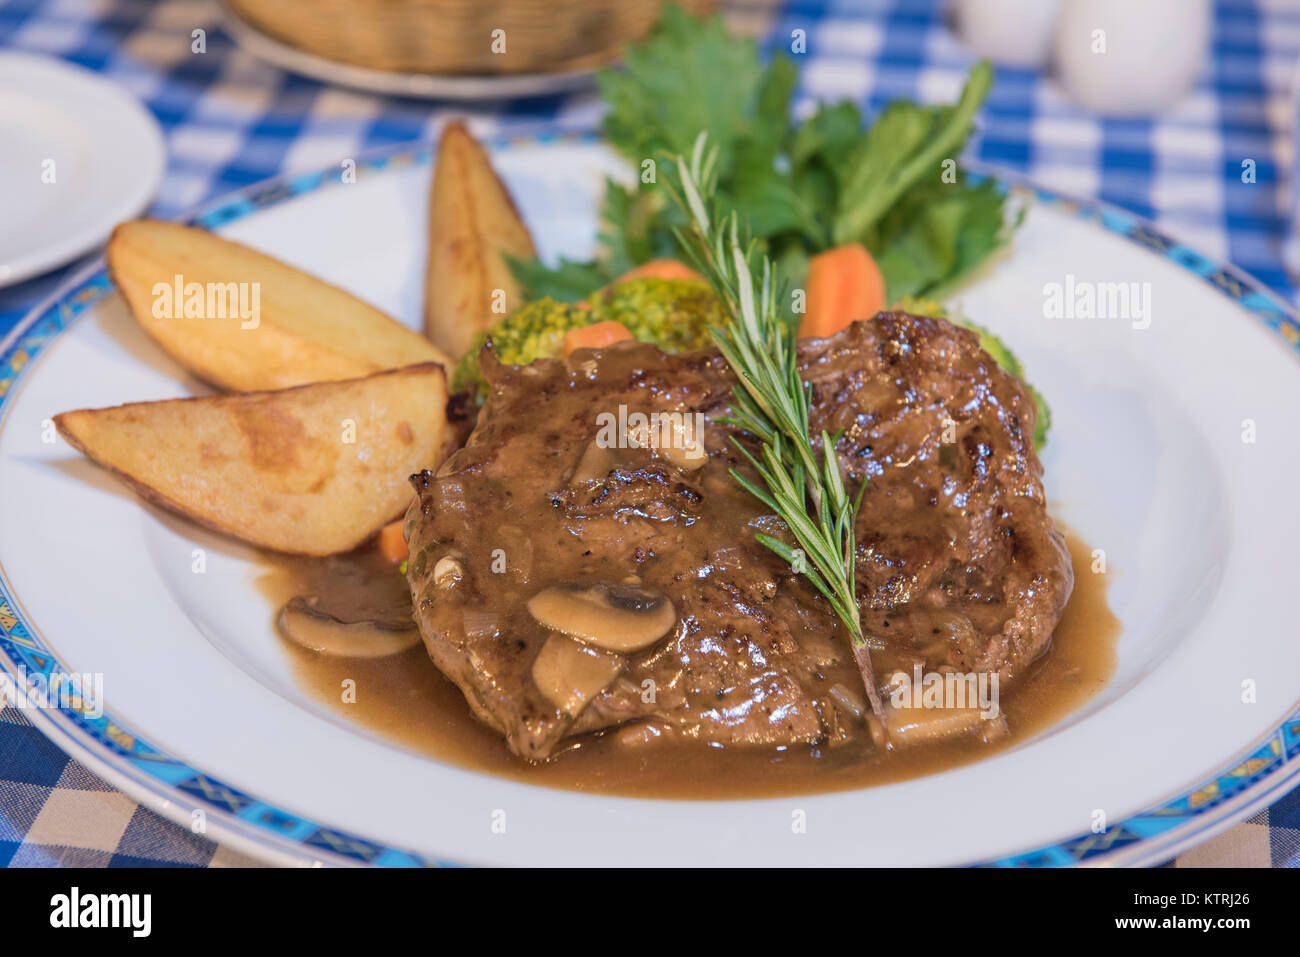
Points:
[(772, 404)]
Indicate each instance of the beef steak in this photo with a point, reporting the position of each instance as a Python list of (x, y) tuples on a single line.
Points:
[(958, 564)]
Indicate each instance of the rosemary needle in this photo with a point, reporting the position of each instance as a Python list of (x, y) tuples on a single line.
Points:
[(772, 403)]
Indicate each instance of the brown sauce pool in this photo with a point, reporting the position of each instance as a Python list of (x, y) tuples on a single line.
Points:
[(405, 700)]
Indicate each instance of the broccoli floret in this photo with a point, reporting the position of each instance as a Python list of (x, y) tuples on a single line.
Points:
[(674, 314), (532, 331), (998, 350)]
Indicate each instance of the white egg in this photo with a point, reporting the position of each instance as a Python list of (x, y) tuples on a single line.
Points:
[(1131, 57)]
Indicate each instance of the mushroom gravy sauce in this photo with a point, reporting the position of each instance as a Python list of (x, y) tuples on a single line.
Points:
[(401, 698)]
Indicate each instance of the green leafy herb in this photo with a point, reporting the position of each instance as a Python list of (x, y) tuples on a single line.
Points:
[(800, 188), (935, 237), (567, 281), (771, 403), (906, 146), (688, 75)]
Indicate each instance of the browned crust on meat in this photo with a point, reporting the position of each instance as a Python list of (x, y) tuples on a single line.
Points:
[(959, 566)]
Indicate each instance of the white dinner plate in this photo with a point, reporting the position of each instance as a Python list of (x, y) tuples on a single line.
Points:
[(1174, 450), (78, 154)]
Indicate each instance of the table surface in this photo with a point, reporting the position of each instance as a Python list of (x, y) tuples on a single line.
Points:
[(231, 120)]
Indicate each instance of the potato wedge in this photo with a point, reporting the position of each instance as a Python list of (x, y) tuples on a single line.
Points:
[(254, 322), (311, 470), (472, 222)]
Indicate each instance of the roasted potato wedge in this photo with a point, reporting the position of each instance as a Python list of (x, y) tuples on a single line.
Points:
[(472, 222), (254, 322), (311, 470)]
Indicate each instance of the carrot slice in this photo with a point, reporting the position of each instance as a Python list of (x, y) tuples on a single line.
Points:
[(392, 545), (660, 269), (596, 336), (844, 285)]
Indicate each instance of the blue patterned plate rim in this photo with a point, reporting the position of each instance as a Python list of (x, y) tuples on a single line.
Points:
[(1259, 775)]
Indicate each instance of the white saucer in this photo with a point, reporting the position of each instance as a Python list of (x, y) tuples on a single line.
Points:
[(79, 155)]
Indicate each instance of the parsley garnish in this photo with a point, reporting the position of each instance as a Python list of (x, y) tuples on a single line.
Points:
[(800, 188)]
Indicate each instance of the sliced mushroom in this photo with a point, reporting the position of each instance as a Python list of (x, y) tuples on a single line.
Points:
[(908, 726), (317, 630), (623, 618), (570, 674)]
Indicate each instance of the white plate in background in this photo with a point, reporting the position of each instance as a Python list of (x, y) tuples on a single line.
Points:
[(79, 155)]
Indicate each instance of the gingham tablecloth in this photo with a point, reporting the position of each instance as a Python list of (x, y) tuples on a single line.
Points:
[(231, 120)]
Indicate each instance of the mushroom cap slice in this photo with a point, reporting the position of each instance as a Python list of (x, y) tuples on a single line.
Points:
[(317, 630), (570, 673), (622, 618)]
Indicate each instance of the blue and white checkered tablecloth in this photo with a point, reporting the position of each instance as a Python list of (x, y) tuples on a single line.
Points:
[(231, 120)]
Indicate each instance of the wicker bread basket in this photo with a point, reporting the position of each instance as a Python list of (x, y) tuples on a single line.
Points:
[(451, 37)]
